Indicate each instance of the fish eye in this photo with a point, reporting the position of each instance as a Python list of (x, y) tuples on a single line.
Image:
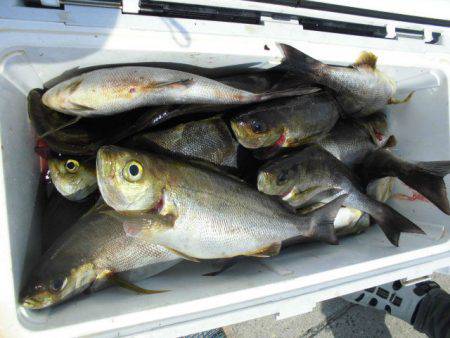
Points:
[(72, 166), (282, 177), (58, 284), (257, 127), (133, 171)]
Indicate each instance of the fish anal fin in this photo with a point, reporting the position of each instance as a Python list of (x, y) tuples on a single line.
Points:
[(133, 287), (181, 254), (366, 59), (268, 251)]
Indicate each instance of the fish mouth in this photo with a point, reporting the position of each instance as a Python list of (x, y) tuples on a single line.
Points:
[(37, 302)]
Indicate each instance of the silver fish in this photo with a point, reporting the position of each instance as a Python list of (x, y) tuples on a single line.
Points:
[(200, 213), (113, 90), (360, 89), (73, 179), (94, 253)]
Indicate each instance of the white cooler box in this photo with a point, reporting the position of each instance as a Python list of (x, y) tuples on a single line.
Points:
[(38, 44)]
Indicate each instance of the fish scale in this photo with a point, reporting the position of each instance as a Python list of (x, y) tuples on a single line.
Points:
[(114, 90), (212, 215)]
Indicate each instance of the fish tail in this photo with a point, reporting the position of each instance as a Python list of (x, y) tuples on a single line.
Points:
[(427, 178), (323, 221), (298, 62), (304, 90), (391, 222)]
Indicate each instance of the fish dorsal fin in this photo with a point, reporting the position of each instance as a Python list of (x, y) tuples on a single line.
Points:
[(268, 251), (367, 59), (133, 287), (181, 254)]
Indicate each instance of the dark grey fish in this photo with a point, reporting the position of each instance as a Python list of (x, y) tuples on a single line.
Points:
[(360, 89), (286, 122), (209, 140), (302, 176)]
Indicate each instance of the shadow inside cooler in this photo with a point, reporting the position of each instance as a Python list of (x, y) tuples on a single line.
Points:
[(421, 127)]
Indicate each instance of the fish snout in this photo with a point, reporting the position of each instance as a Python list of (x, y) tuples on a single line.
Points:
[(264, 182)]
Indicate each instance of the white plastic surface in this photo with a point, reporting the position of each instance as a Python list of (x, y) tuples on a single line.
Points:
[(31, 53)]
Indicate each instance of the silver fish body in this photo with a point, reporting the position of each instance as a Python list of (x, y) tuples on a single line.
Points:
[(360, 89), (208, 215), (114, 90), (87, 255)]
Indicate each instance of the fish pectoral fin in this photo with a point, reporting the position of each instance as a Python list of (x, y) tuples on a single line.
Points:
[(390, 142), (65, 125), (73, 86), (268, 251), (78, 107), (181, 254), (366, 59), (393, 100), (179, 84), (130, 286), (298, 198)]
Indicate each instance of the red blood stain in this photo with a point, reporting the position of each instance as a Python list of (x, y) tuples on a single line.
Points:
[(158, 207), (42, 150), (379, 135), (415, 196), (280, 141)]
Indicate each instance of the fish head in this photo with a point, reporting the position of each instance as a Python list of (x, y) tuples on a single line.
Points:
[(56, 280), (129, 180), (278, 177), (73, 179), (256, 130), (64, 97)]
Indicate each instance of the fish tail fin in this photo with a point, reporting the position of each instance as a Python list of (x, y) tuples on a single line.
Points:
[(298, 62), (390, 221), (428, 179), (323, 221), (296, 91)]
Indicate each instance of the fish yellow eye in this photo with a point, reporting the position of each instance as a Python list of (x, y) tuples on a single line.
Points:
[(72, 166), (58, 284), (133, 171)]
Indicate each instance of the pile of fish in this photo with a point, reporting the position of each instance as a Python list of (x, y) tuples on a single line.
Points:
[(151, 166)]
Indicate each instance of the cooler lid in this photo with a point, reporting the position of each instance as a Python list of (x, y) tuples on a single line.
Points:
[(416, 19)]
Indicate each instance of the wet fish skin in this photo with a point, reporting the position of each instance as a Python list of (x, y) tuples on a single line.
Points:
[(286, 122), (209, 215), (87, 255), (360, 89), (113, 90), (302, 176), (85, 136), (74, 179), (352, 139), (209, 140), (362, 145)]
